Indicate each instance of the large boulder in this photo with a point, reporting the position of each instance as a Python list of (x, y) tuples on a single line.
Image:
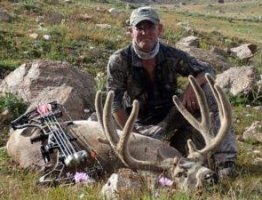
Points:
[(244, 51), (45, 81), (217, 61), (238, 80)]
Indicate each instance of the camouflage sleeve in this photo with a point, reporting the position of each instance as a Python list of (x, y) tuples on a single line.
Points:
[(188, 65), (116, 79)]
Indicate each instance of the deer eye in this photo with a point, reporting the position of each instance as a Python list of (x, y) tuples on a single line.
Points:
[(179, 174), (182, 174)]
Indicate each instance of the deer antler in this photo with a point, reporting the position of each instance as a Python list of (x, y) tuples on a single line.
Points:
[(204, 126), (99, 108), (120, 144)]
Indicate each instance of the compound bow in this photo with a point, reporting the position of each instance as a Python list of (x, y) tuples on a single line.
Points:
[(54, 138)]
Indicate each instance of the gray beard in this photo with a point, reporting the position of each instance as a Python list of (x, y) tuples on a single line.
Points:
[(146, 55)]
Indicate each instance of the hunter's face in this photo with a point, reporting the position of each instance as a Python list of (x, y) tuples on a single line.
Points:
[(145, 34)]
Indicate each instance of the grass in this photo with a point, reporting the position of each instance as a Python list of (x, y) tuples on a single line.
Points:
[(12, 107), (20, 184), (229, 10), (86, 46)]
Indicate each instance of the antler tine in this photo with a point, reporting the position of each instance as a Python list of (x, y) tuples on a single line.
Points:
[(109, 127), (120, 146), (99, 108), (128, 128), (123, 145), (204, 126), (225, 115), (211, 83), (204, 110)]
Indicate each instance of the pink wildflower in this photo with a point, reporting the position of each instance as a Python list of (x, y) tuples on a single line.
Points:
[(164, 181), (81, 177)]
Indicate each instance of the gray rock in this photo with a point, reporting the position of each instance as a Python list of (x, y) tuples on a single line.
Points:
[(254, 132), (217, 61), (54, 18), (45, 81), (244, 51), (219, 51), (238, 80), (4, 16), (190, 41), (125, 184)]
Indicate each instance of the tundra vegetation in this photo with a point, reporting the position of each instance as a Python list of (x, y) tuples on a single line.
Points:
[(78, 39)]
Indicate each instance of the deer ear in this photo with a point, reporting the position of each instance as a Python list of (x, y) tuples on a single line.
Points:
[(191, 146), (176, 160)]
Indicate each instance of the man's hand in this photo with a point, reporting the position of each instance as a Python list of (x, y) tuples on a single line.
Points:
[(189, 99)]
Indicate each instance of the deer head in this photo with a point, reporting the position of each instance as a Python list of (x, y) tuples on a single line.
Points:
[(188, 172)]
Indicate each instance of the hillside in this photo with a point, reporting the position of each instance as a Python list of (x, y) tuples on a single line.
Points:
[(74, 31)]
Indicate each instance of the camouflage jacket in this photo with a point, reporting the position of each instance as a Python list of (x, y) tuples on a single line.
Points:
[(128, 79)]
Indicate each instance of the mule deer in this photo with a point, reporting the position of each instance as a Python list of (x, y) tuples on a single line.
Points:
[(188, 172), (136, 151)]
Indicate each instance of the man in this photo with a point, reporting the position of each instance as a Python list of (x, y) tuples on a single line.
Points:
[(147, 70)]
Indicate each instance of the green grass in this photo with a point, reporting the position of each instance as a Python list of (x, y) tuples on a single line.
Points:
[(19, 184), (12, 107), (88, 47), (245, 116)]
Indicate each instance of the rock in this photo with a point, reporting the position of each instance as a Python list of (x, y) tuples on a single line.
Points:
[(238, 80), (6, 115), (103, 26), (258, 108), (254, 132), (68, 1), (113, 11), (4, 16), (219, 51), (258, 161), (47, 37), (190, 41), (125, 184), (40, 19), (218, 62), (85, 17), (186, 27), (244, 51), (46, 81), (259, 85), (33, 35), (54, 18)]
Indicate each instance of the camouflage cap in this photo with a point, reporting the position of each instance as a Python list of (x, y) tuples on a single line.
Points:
[(144, 13)]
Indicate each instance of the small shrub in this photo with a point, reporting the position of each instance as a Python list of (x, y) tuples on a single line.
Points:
[(15, 107), (100, 80), (253, 98), (238, 100), (13, 104), (30, 5)]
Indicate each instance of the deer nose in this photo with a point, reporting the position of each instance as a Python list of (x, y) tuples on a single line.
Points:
[(211, 178)]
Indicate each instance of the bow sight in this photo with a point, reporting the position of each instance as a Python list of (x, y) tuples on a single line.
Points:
[(54, 137)]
